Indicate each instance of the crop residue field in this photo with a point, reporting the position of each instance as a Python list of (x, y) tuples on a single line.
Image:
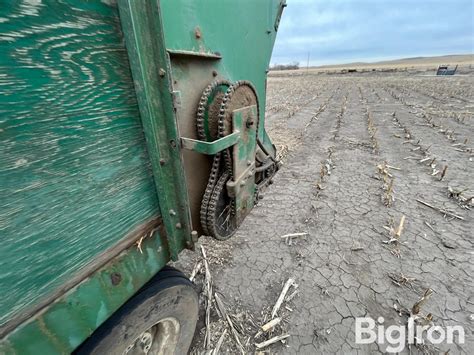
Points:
[(375, 192)]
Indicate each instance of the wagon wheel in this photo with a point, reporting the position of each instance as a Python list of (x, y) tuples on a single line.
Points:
[(160, 319)]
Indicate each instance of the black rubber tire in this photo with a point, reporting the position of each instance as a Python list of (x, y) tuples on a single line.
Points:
[(168, 294)]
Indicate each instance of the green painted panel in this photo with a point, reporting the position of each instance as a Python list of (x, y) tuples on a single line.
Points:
[(141, 21), (70, 320), (211, 40), (74, 172), (241, 32)]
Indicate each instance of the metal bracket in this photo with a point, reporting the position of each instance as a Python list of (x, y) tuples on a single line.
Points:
[(242, 187), (233, 187), (280, 12), (244, 143), (176, 99), (210, 148), (142, 26)]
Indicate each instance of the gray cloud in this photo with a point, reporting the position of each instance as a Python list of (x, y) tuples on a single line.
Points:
[(336, 31)]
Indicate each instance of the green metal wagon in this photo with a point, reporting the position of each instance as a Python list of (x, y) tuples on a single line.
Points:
[(127, 130)]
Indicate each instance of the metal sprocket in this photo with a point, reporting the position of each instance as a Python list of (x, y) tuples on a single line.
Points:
[(208, 110), (220, 217), (241, 94), (207, 118)]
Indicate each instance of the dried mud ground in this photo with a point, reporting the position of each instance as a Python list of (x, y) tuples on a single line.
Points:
[(358, 153)]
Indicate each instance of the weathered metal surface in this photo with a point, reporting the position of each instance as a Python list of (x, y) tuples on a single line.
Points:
[(75, 174), (211, 148), (242, 187), (141, 22), (241, 33)]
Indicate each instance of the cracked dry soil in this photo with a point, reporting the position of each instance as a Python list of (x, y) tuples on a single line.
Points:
[(350, 144)]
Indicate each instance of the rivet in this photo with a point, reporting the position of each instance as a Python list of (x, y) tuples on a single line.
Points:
[(249, 163), (162, 162), (194, 236), (162, 72), (178, 225), (214, 73), (172, 213)]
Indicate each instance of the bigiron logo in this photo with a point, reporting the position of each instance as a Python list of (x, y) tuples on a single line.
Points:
[(367, 331)]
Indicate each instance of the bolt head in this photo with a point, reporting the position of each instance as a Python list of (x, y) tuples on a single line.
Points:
[(197, 32)]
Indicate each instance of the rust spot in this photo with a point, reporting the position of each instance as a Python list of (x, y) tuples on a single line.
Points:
[(197, 32), (115, 277)]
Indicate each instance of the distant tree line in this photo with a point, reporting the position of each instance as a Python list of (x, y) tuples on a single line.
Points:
[(292, 66)]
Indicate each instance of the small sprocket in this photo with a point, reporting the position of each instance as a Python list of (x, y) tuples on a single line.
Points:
[(208, 110)]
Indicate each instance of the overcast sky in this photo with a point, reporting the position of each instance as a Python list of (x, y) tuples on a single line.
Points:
[(342, 31)]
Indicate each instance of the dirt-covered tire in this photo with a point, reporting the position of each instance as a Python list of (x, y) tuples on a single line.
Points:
[(165, 306)]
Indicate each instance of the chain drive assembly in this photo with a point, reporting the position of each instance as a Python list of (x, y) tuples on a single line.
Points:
[(214, 120)]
